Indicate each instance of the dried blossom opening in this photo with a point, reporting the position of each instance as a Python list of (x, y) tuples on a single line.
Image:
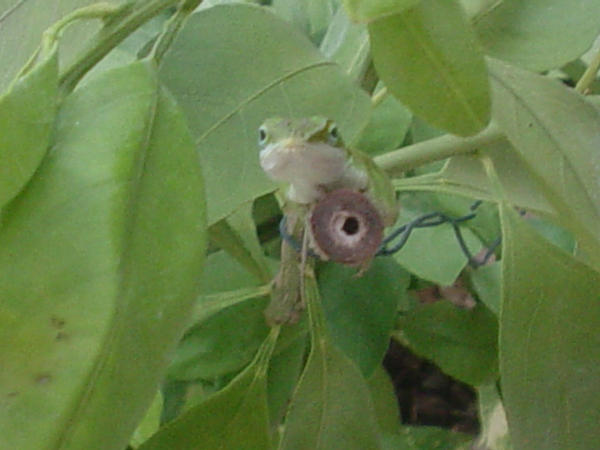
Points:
[(346, 227)]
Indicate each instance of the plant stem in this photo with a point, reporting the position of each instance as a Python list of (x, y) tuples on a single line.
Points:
[(436, 149), (171, 29), (589, 75), (113, 33), (378, 97)]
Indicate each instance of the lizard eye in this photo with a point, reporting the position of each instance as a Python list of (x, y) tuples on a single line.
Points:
[(332, 134), (262, 135)]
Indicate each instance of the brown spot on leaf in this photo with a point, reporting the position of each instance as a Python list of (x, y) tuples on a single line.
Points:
[(43, 378), (57, 322), (61, 336)]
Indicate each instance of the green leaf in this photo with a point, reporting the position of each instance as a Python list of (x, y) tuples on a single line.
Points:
[(347, 44), (387, 128), (331, 406), (284, 371), (369, 10), (312, 17), (100, 258), (537, 34), (486, 282), (22, 25), (546, 121), (271, 70), (149, 424), (461, 342), (433, 253), (233, 418), (27, 113), (226, 340), (384, 401), (237, 235), (428, 57), (549, 359), (360, 311), (494, 429)]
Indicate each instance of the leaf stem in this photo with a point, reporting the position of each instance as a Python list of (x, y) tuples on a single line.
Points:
[(589, 75), (111, 35), (171, 29), (378, 97), (436, 149)]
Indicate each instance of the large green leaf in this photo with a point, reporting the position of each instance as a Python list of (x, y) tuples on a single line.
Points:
[(557, 134), (100, 258), (233, 418), (331, 406), (537, 34), (549, 341), (22, 24), (463, 343), (360, 311), (27, 113), (428, 57), (231, 67), (384, 400)]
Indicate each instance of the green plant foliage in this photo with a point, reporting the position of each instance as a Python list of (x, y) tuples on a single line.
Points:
[(23, 23), (369, 10), (387, 128), (433, 253), (114, 335), (486, 282), (100, 258), (360, 310), (537, 115), (347, 44), (312, 17), (331, 407), (384, 400), (234, 418), (149, 424), (462, 342), (464, 175), (536, 34), (237, 235), (284, 371), (429, 58), (27, 113), (549, 360), (232, 66), (205, 351)]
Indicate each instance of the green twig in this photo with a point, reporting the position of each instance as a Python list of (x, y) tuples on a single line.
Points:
[(378, 97), (171, 29), (436, 149), (589, 75), (111, 35)]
